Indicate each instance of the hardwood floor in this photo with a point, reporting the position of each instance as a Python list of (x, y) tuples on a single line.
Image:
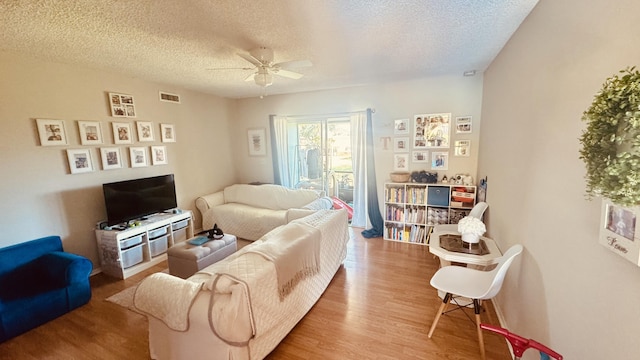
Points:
[(378, 306)]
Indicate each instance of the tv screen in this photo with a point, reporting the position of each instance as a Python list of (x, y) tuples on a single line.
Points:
[(134, 199)]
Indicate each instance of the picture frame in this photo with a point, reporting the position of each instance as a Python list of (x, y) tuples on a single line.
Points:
[(167, 133), (111, 158), (122, 133), (159, 155), (138, 156), (463, 125), (79, 161), (401, 127), (420, 156), (257, 142), (462, 148), (51, 132), (401, 144), (90, 132), (145, 131), (437, 130), (400, 162), (440, 160), (122, 105)]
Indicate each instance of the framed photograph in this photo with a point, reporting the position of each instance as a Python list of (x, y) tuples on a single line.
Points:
[(122, 105), (420, 156), (138, 156), (122, 133), (400, 162), (51, 132), (401, 127), (437, 130), (79, 161), (257, 142), (167, 133), (159, 155), (463, 125), (462, 148), (419, 139), (401, 144), (90, 132), (145, 130), (440, 160), (111, 158)]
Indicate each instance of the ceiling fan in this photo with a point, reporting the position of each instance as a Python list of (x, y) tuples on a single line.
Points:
[(262, 60)]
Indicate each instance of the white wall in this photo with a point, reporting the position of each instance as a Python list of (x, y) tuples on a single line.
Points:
[(39, 195), (458, 95), (566, 290)]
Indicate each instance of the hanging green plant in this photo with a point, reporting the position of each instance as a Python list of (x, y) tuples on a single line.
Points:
[(611, 142)]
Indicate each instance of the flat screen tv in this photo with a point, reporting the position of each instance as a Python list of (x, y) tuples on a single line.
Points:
[(134, 199)]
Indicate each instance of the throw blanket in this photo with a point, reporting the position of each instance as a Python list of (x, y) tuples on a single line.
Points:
[(173, 306), (294, 251)]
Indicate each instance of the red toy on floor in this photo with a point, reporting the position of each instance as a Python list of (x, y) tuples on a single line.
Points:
[(339, 204)]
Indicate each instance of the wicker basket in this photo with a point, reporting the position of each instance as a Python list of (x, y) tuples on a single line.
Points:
[(400, 177)]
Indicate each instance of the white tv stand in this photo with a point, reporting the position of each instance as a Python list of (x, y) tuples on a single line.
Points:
[(127, 252)]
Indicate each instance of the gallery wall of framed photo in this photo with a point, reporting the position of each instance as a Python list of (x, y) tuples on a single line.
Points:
[(428, 141), (53, 132)]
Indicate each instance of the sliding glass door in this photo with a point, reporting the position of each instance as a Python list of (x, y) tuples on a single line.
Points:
[(322, 156)]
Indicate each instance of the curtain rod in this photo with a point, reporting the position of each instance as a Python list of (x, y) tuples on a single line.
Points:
[(346, 113)]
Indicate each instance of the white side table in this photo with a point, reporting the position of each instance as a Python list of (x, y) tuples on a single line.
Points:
[(447, 257)]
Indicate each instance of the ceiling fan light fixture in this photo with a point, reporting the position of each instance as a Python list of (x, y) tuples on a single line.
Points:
[(263, 78)]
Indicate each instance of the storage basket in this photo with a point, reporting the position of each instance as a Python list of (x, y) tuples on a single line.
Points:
[(158, 246), (132, 256), (400, 177)]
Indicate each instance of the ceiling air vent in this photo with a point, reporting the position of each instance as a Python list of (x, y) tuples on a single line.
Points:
[(165, 96)]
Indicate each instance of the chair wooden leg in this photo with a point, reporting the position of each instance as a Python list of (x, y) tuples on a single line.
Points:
[(477, 309), (443, 308)]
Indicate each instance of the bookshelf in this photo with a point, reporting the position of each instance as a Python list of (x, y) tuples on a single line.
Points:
[(412, 209)]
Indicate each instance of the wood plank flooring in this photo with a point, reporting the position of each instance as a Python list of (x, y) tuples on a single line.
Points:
[(378, 306)]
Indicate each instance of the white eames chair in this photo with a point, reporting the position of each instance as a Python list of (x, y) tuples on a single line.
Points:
[(458, 281), (477, 211)]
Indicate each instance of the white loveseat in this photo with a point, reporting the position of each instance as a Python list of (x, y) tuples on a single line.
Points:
[(250, 211), (238, 308)]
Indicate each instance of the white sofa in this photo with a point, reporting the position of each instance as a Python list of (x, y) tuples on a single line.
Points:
[(250, 211), (238, 308)]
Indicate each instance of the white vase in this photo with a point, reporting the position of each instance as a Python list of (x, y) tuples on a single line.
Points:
[(470, 238)]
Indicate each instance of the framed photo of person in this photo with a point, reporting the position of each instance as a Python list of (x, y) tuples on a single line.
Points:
[(167, 133), (90, 132), (138, 156), (145, 130), (462, 148), (437, 130), (51, 132), (111, 158), (122, 133), (401, 127), (122, 105), (439, 160), (420, 156), (463, 125), (401, 144), (79, 161), (159, 155)]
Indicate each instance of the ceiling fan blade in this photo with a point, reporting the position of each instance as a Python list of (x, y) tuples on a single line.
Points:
[(287, 73), (231, 68), (294, 64), (250, 77), (250, 59)]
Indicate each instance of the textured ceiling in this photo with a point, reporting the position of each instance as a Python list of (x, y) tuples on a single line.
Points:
[(350, 43)]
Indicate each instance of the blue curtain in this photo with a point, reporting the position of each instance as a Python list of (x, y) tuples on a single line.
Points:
[(372, 190)]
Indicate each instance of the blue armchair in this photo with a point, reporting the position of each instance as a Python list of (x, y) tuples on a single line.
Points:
[(38, 283)]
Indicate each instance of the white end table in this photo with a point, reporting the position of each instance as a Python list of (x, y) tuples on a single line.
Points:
[(478, 261)]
